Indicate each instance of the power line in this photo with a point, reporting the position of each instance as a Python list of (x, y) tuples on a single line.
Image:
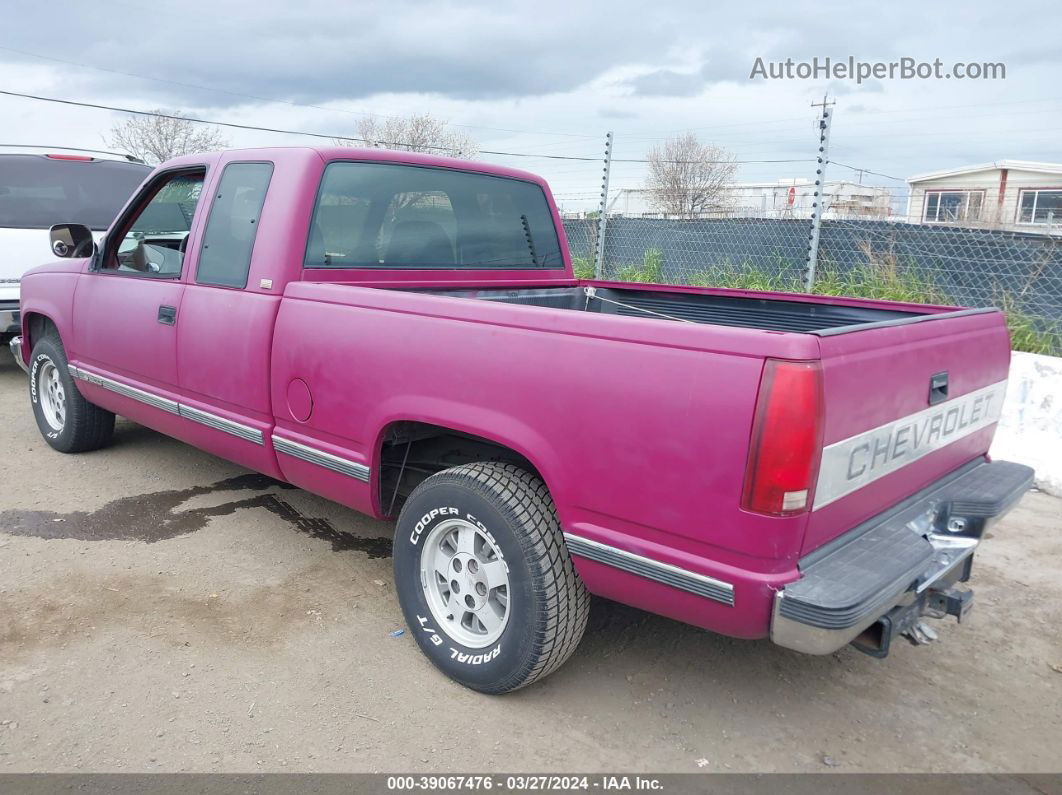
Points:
[(688, 162), (161, 115), (867, 171), (333, 137), (919, 108), (636, 136), (259, 98), (916, 111)]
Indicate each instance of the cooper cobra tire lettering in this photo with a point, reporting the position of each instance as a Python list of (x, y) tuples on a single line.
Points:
[(488, 534), (85, 426), (38, 360), (427, 519)]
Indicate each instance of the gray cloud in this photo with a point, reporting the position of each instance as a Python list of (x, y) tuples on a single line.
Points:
[(320, 50), (719, 64), (540, 66), (839, 88), (667, 83), (617, 113), (315, 51)]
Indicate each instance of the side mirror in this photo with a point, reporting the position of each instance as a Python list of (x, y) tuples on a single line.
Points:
[(71, 240)]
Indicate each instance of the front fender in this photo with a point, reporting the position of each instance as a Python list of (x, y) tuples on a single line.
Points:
[(49, 295)]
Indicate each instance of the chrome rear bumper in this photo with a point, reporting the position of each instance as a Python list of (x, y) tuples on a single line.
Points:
[(926, 542), (15, 345)]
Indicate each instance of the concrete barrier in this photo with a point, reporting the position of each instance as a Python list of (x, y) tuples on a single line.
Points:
[(1030, 430)]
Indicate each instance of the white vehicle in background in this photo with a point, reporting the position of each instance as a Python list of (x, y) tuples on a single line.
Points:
[(42, 186)]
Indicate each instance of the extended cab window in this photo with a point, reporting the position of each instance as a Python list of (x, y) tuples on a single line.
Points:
[(383, 215), (232, 225), (152, 242)]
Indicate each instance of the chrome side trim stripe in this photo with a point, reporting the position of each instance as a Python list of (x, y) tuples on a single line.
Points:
[(237, 429), (165, 404), (221, 424), (321, 458), (665, 573)]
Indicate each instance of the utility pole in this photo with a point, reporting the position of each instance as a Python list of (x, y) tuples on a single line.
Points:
[(599, 244), (818, 205)]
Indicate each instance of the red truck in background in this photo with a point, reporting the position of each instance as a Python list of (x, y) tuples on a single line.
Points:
[(403, 334)]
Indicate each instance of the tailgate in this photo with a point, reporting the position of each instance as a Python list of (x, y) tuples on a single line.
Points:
[(904, 406)]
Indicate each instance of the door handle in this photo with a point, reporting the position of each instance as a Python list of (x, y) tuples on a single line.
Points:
[(168, 315), (938, 388)]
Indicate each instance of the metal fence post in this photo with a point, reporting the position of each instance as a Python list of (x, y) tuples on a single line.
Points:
[(818, 205), (599, 244)]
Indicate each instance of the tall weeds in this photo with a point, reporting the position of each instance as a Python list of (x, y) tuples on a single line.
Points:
[(882, 277)]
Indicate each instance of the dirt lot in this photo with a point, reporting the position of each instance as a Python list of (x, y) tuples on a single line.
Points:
[(163, 610)]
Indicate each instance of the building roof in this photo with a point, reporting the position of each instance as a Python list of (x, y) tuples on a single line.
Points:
[(1015, 165)]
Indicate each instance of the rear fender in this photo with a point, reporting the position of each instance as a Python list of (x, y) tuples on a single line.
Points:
[(490, 424)]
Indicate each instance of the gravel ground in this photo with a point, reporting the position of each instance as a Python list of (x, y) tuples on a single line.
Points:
[(163, 610)]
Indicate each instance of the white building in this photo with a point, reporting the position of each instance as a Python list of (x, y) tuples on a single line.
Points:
[(1019, 195), (783, 198)]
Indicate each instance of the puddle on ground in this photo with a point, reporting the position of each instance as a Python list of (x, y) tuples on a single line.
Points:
[(154, 517)]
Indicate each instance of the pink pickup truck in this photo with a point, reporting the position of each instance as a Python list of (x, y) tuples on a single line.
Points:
[(403, 334)]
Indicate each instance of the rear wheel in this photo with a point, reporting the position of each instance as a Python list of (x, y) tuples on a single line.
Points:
[(68, 422), (484, 577)]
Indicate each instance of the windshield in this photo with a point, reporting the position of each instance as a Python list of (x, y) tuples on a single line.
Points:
[(37, 191), (382, 215)]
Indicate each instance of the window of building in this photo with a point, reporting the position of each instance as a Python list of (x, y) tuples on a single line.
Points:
[(1042, 207), (953, 206)]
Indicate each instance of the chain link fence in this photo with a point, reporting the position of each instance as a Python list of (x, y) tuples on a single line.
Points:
[(1020, 272)]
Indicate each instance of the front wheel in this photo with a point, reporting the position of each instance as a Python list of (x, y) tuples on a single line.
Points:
[(484, 577), (67, 421)]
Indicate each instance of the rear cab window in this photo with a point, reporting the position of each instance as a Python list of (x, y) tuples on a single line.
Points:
[(386, 215)]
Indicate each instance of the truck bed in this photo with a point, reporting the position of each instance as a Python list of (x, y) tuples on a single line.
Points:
[(742, 311)]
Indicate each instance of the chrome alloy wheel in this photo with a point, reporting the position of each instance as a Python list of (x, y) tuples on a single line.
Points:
[(466, 583), (52, 395)]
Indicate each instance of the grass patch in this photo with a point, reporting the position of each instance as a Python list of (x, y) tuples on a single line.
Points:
[(881, 277), (650, 271), (1028, 333), (583, 267)]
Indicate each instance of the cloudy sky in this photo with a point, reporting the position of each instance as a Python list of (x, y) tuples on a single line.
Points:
[(550, 78)]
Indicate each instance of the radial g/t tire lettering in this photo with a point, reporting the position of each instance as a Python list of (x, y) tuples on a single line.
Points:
[(484, 578)]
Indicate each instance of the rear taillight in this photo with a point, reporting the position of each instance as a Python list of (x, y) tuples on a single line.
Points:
[(786, 439), (83, 158)]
